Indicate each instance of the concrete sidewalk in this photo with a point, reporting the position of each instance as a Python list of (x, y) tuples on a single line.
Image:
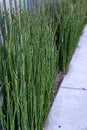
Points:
[(69, 110)]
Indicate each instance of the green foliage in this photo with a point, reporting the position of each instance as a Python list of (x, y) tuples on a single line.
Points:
[(29, 69), (69, 18), (32, 46)]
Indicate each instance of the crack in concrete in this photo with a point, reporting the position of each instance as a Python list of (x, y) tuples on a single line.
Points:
[(74, 88)]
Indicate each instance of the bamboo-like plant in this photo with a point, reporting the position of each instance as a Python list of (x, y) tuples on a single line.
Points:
[(33, 44), (29, 69)]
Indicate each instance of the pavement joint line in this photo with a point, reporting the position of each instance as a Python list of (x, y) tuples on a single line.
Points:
[(84, 89)]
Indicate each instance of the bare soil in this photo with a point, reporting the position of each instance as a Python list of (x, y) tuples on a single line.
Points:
[(58, 81)]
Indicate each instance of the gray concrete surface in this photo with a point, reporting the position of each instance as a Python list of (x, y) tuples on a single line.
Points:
[(69, 110)]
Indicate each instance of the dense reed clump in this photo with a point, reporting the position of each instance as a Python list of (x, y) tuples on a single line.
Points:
[(69, 19), (33, 45), (28, 71), (73, 24)]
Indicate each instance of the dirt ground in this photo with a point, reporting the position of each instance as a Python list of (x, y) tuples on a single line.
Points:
[(58, 80)]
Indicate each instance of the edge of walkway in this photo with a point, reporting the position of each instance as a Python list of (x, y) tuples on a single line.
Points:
[(69, 110)]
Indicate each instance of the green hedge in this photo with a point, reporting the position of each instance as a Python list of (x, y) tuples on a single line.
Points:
[(34, 45)]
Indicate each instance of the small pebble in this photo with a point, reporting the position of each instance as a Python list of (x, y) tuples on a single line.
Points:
[(59, 126)]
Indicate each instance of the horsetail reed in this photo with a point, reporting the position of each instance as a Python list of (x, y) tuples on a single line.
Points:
[(34, 43), (29, 69)]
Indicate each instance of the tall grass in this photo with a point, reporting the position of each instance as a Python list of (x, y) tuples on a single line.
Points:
[(69, 19), (29, 69), (73, 28), (33, 45)]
